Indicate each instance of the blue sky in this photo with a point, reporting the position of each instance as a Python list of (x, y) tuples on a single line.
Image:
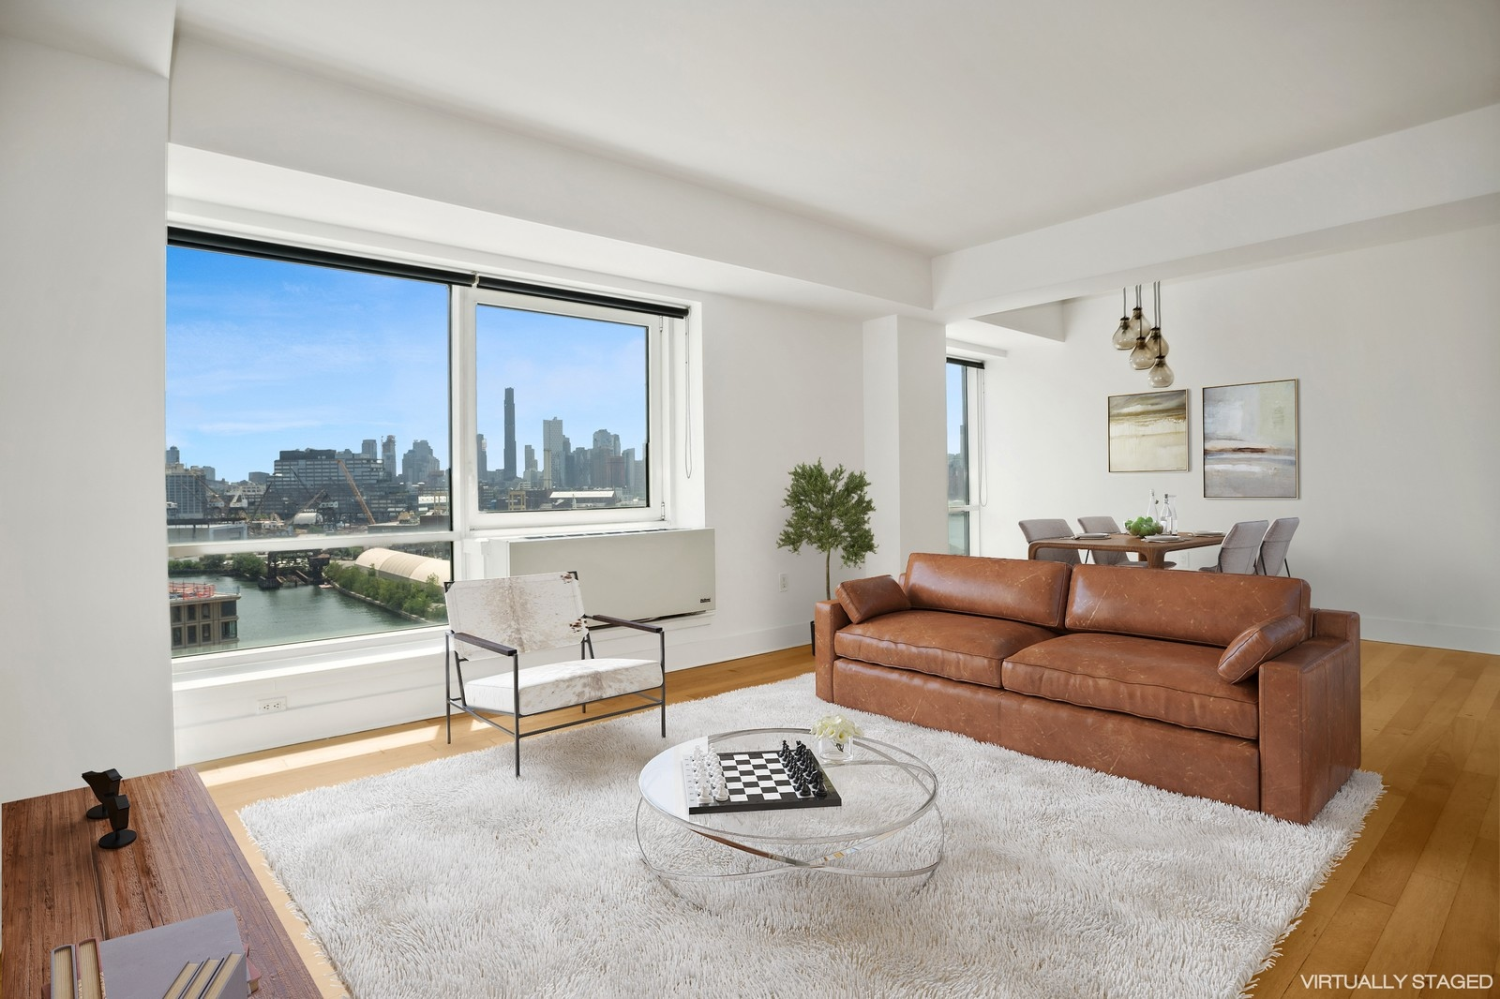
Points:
[(265, 356)]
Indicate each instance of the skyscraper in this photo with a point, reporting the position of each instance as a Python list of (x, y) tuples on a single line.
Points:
[(510, 435), (388, 458), (174, 457), (482, 462), (420, 465), (367, 449), (554, 454)]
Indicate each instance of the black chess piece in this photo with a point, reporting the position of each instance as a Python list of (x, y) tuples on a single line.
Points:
[(105, 784), (117, 807)]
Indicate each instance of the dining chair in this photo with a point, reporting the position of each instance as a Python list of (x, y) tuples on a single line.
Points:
[(1108, 525), (1240, 548), (1273, 549), (1037, 530)]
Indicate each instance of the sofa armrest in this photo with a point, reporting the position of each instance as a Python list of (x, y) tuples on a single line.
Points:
[(828, 617), (1310, 719), (1335, 624)]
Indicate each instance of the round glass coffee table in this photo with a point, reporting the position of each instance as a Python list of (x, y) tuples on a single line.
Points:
[(886, 794)]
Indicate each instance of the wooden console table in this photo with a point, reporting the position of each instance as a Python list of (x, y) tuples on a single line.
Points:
[(60, 887)]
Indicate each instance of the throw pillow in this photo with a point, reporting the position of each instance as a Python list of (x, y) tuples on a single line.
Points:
[(1258, 643), (871, 597)]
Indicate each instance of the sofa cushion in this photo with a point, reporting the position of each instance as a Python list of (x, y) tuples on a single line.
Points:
[(871, 597), (1016, 589), (963, 647), (1173, 682), (1207, 608), (1256, 644)]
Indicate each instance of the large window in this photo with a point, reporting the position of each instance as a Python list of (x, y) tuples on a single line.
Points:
[(312, 490), (963, 481)]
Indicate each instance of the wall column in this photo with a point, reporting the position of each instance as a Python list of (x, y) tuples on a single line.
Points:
[(905, 441), (87, 679)]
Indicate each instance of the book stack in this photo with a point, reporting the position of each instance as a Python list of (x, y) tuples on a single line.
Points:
[(199, 958), (207, 979)]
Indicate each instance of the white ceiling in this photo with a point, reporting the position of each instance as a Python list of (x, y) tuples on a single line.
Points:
[(933, 124)]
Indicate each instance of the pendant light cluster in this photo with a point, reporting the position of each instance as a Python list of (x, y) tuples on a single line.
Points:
[(1148, 348)]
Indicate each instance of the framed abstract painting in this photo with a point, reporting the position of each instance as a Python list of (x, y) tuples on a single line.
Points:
[(1148, 432), (1250, 440)]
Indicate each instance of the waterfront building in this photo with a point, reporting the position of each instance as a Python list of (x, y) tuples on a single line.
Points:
[(202, 615), (405, 566)]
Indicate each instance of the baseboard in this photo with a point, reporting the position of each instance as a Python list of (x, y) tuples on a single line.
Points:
[(1426, 633)]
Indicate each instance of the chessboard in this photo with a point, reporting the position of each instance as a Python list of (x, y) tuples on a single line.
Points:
[(756, 780)]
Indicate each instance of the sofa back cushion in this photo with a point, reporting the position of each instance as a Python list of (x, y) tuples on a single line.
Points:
[(1014, 589), (1207, 608), (871, 597)]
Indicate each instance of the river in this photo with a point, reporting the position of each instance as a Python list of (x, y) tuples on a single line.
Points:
[(296, 614)]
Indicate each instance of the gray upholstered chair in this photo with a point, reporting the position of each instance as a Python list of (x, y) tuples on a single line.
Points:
[(491, 620), (1037, 530), (1240, 548), (1273, 549)]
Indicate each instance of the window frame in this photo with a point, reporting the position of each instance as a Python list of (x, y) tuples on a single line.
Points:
[(658, 507), (669, 401)]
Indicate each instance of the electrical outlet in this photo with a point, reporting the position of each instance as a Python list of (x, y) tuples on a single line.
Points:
[(270, 704), (781, 582)]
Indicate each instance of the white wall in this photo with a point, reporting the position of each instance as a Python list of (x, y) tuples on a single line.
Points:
[(1397, 349), (84, 679)]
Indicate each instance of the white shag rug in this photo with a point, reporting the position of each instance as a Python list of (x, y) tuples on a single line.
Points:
[(454, 878)]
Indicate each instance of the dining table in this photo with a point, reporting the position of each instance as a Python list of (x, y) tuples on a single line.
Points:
[(1152, 552)]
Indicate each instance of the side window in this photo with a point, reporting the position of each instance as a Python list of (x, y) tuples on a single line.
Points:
[(964, 474)]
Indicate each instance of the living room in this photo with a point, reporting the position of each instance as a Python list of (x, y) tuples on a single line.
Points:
[(1339, 225)]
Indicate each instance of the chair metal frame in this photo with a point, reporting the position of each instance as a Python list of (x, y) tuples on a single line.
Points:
[(454, 659)]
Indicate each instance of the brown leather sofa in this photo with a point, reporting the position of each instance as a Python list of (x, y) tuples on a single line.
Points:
[(1228, 687)]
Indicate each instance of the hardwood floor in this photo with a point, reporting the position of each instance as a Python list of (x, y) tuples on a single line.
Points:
[(1418, 895)]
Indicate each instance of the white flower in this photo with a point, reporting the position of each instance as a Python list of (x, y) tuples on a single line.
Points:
[(835, 727)]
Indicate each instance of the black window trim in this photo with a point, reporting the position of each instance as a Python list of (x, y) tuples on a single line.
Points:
[(200, 240)]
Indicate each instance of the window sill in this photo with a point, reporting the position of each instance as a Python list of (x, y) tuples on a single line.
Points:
[(252, 665)]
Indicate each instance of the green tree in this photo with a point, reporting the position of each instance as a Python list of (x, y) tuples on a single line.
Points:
[(830, 511), (249, 566)]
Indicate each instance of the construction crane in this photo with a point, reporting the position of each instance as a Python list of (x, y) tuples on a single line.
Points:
[(369, 517)]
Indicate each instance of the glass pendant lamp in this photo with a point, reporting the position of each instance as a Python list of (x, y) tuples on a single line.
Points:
[(1124, 339), (1142, 356), (1156, 346), (1138, 324), (1155, 342)]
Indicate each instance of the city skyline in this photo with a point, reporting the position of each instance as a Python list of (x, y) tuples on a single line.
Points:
[(265, 356)]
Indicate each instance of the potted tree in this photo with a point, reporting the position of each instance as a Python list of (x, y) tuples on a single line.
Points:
[(829, 511)]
